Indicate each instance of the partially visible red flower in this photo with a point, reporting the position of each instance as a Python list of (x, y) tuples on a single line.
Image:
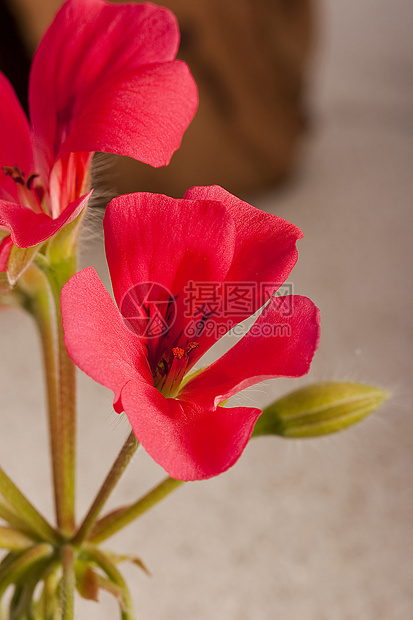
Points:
[(104, 78), (209, 237)]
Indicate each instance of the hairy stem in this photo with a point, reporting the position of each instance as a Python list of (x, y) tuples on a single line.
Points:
[(128, 450), (43, 288), (68, 583), (25, 510), (115, 521)]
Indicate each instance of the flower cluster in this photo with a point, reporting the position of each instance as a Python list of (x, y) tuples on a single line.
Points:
[(124, 92), (184, 272)]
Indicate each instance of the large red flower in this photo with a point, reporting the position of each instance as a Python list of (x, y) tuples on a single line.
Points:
[(104, 78), (160, 250)]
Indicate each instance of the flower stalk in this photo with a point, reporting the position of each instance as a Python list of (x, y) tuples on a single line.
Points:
[(16, 569), (25, 509), (13, 539), (42, 284), (118, 519), (66, 439), (125, 455), (68, 582)]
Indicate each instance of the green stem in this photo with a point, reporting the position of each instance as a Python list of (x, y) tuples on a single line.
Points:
[(67, 407), (21, 505), (49, 596), (11, 518), (13, 540), (105, 563), (115, 521), (43, 295), (68, 582), (128, 450), (17, 569), (41, 305)]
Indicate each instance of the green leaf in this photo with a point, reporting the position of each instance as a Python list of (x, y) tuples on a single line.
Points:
[(319, 409)]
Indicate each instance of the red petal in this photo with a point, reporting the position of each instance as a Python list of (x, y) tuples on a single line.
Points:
[(265, 248), (96, 337), (144, 116), (264, 255), (16, 147), (68, 179), (154, 238), (189, 441), (28, 228), (96, 83), (277, 345)]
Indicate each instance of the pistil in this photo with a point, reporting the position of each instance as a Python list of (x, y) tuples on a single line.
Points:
[(168, 377)]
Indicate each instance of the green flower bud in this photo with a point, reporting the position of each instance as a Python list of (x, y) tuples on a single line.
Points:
[(319, 409)]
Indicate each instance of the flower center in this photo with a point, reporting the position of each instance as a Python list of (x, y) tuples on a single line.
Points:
[(30, 193), (172, 368)]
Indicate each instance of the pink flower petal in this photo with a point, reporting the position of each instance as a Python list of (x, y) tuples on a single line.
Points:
[(264, 256), (276, 346), (144, 116), (97, 82), (68, 179), (28, 228), (154, 238), (265, 249), (96, 336), (16, 146), (189, 441)]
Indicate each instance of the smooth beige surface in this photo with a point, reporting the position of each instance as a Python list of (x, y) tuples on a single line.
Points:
[(317, 530)]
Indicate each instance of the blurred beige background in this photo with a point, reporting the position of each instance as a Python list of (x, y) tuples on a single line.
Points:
[(310, 530)]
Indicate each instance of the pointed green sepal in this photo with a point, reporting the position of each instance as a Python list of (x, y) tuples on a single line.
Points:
[(319, 409), (64, 244), (113, 582), (87, 581), (130, 558), (19, 260)]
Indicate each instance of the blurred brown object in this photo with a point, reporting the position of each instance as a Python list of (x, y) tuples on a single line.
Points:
[(250, 61), (33, 17)]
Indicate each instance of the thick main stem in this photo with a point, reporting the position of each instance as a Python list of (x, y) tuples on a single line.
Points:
[(41, 306), (115, 521), (67, 409), (118, 467), (43, 288), (68, 583)]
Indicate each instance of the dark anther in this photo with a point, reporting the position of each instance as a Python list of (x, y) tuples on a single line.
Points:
[(30, 180), (15, 173)]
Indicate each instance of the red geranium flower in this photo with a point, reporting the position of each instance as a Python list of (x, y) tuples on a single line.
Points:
[(209, 238), (104, 78)]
